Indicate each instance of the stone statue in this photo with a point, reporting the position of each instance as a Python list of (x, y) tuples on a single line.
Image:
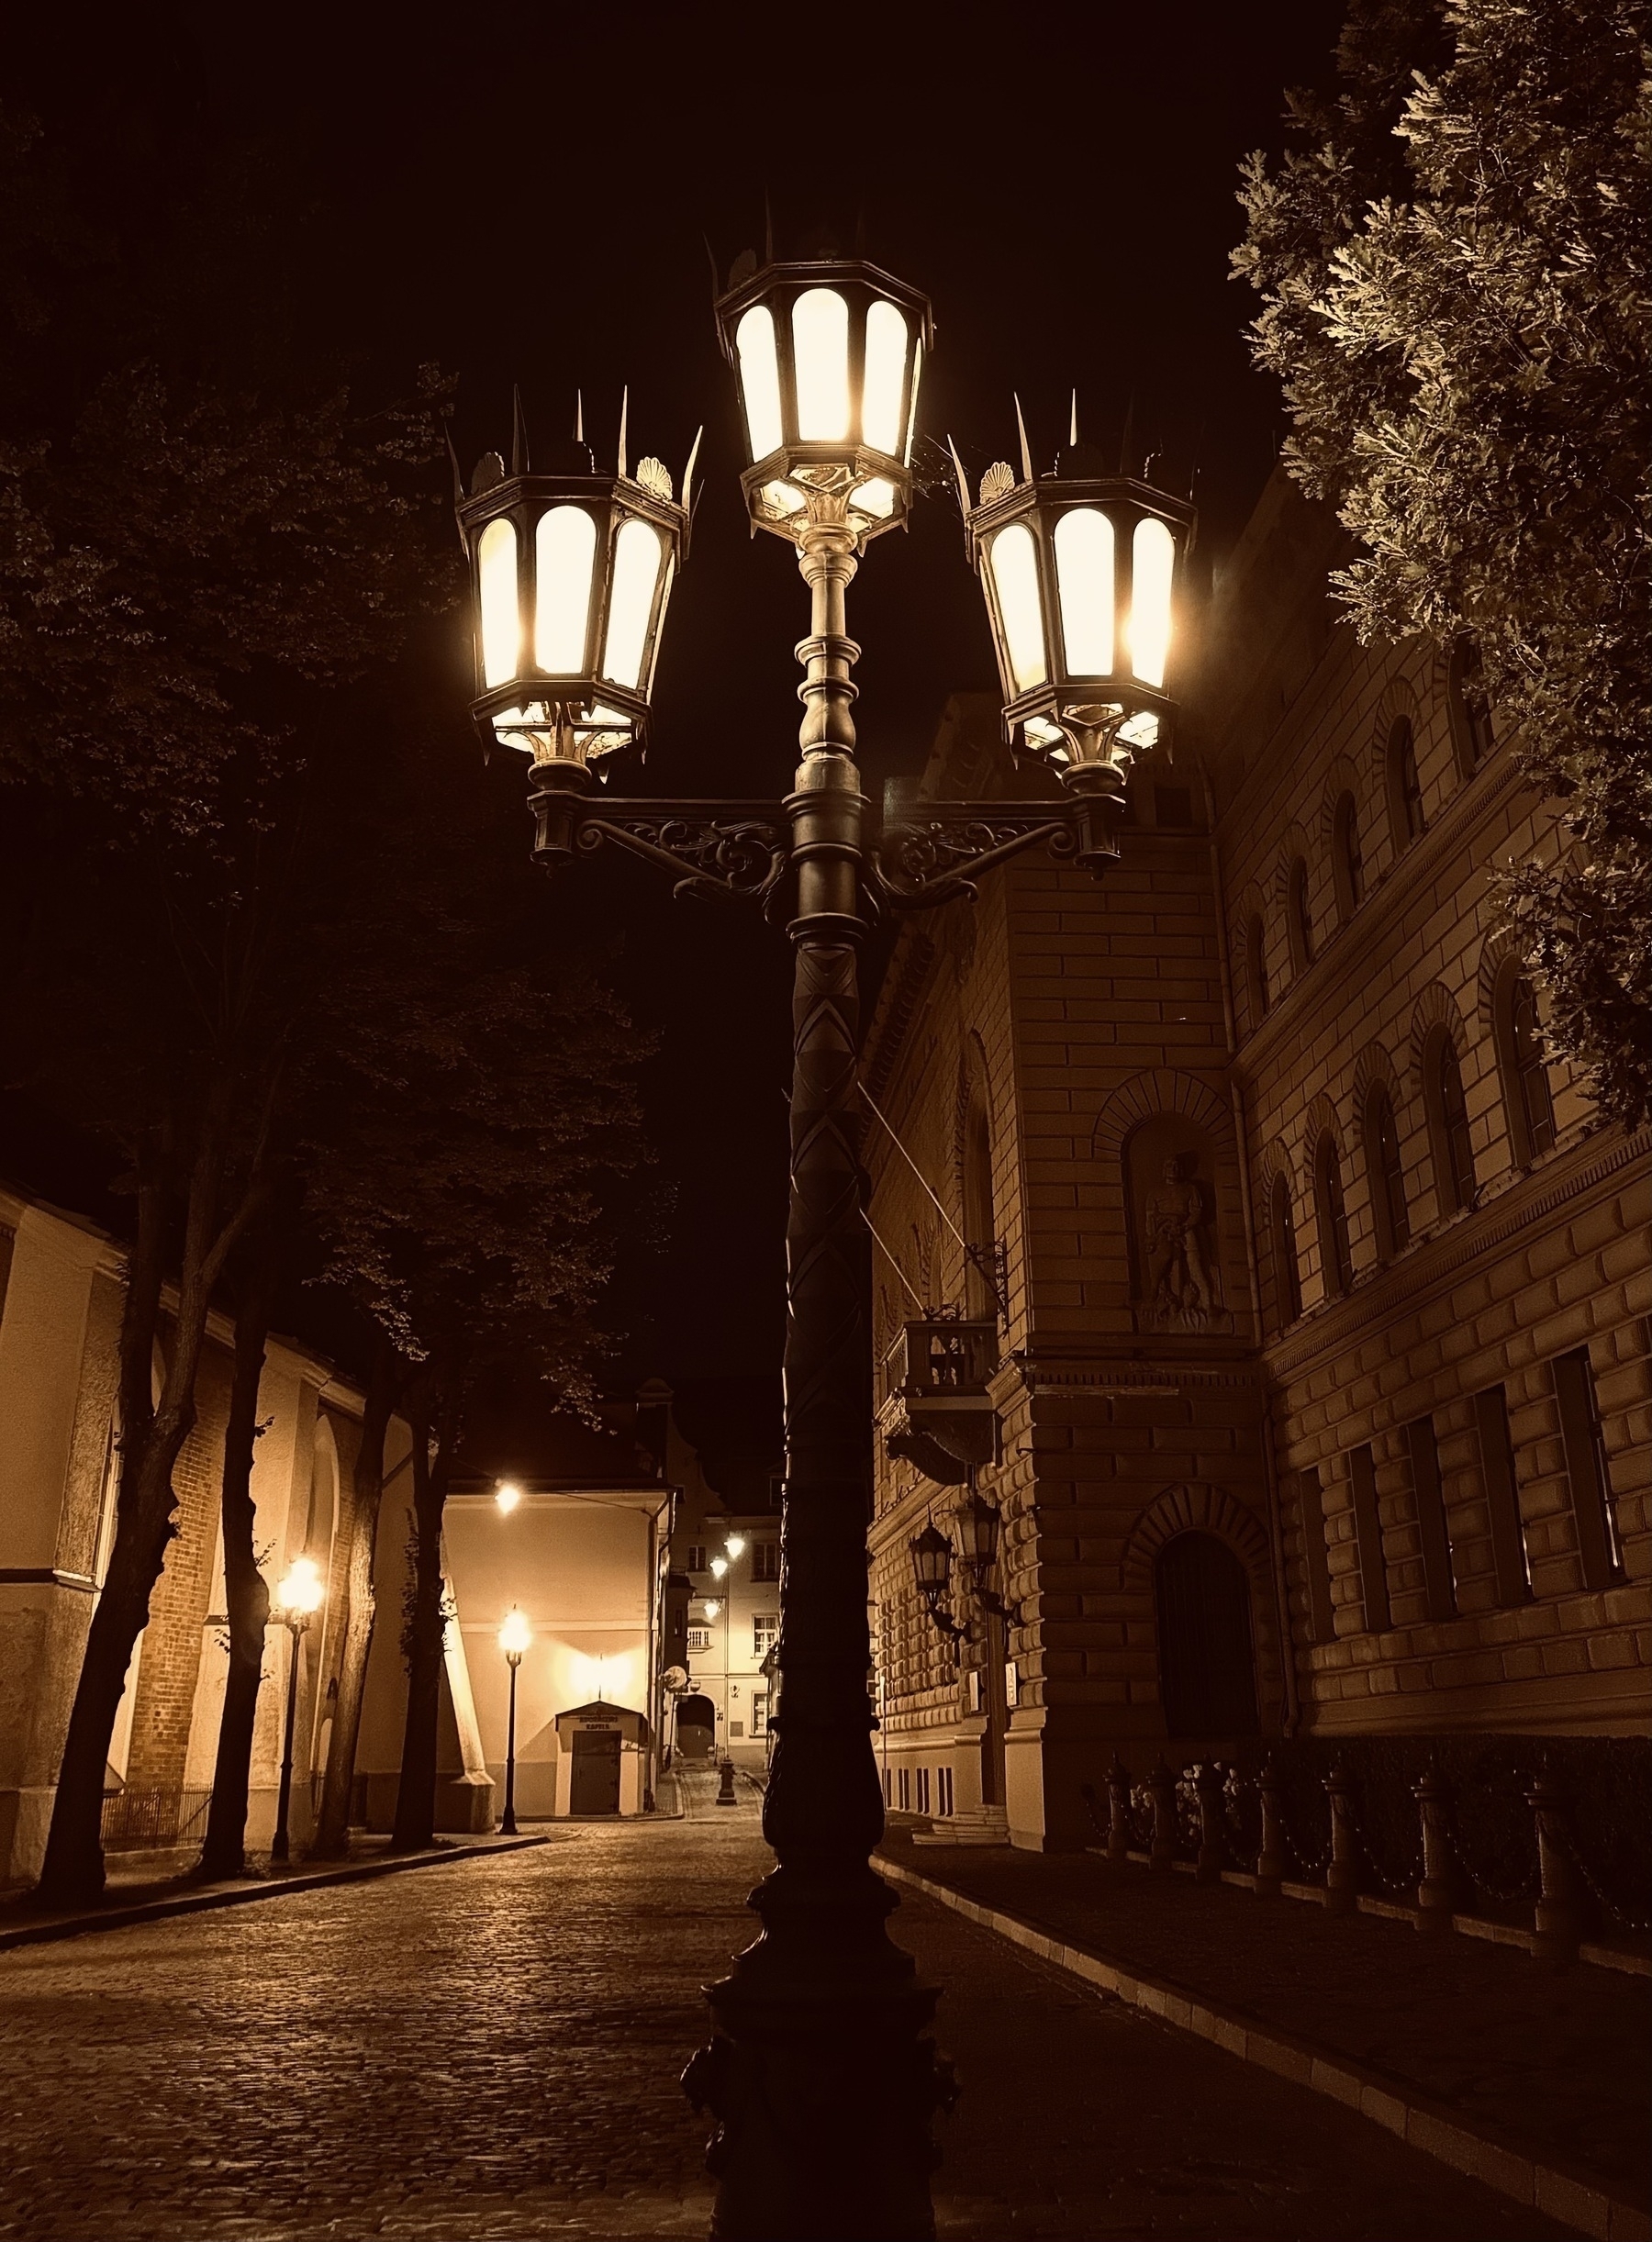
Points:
[(1179, 1283)]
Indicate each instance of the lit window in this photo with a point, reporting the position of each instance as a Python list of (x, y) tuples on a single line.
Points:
[(821, 356), (1083, 576), (498, 597), (1015, 580), (766, 1633), (885, 377)]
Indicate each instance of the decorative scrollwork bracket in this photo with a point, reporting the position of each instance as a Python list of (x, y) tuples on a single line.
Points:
[(936, 852)]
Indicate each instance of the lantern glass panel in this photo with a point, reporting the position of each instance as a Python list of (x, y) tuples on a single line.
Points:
[(820, 352), (565, 553), (498, 599), (885, 377), (1015, 579), (912, 408), (1154, 567), (653, 652), (1083, 576), (760, 380), (631, 603), (876, 497)]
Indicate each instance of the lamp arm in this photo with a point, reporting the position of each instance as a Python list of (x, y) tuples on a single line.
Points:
[(734, 850)]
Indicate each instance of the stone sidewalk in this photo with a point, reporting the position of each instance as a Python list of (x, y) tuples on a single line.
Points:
[(489, 2051), (1550, 2066)]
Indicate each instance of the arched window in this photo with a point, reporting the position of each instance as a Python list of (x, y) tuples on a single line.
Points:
[(1385, 1174), (1521, 1064), (1347, 865), (1298, 919), (1406, 791), (1288, 1283), (980, 1226), (1448, 1123), (1468, 708), (1335, 1260), (1207, 1667), (1255, 968)]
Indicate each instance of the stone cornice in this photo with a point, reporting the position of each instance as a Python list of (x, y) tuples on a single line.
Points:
[(1560, 1185)]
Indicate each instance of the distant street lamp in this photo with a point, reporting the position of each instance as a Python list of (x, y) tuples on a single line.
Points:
[(298, 1597), (514, 1636), (818, 2074), (506, 1494)]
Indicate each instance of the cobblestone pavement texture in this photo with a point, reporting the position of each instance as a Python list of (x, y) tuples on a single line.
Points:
[(1553, 2060), (490, 2049)]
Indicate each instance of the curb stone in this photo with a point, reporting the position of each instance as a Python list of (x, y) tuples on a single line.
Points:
[(52, 1928), (1432, 2126)]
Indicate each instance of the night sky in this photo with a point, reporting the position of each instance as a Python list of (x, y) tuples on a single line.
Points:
[(537, 195)]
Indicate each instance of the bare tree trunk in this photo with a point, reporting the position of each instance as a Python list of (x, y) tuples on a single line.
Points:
[(332, 1837), (151, 1436), (246, 1592), (416, 1793)]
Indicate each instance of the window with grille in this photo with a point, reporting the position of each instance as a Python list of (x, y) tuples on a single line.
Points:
[(1509, 1560), (765, 1560), (695, 1560), (1586, 1467), (944, 1791), (1367, 1541), (924, 1790), (903, 1788), (1433, 1536), (1385, 1174), (1335, 1256), (766, 1633), (1405, 789), (1288, 1283), (700, 1638)]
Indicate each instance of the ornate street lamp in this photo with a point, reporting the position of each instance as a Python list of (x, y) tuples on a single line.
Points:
[(932, 1555), (298, 1597), (818, 2073), (514, 1636), (1080, 570), (571, 574)]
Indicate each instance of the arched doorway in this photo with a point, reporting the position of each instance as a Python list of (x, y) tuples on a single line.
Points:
[(695, 1727), (1207, 1669)]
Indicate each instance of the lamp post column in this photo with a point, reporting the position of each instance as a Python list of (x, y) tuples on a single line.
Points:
[(819, 2075), (508, 1820), (280, 1844)]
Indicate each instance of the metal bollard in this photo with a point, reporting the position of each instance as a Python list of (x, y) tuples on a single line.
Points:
[(1118, 1809), (1207, 1782), (1558, 1916), (1270, 1860), (1342, 1873), (725, 1784), (1437, 1894), (1161, 1789)]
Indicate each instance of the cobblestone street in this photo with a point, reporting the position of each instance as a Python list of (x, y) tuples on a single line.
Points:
[(491, 2049)]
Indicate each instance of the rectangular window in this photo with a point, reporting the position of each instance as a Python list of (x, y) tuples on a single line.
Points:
[(760, 1713), (943, 1790), (1367, 1541), (765, 1633), (1586, 1468), (765, 1560), (696, 1560), (700, 1638), (1503, 1496), (924, 1790), (1438, 1577), (1310, 1509), (903, 1788)]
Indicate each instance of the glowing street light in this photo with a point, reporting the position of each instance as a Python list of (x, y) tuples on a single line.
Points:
[(514, 1636), (735, 1546), (507, 1494), (299, 1595)]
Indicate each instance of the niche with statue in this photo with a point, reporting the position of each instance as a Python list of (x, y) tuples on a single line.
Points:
[(1176, 1281)]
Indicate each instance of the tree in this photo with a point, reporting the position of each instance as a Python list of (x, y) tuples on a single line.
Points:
[(471, 1107), (1453, 262), (188, 582)]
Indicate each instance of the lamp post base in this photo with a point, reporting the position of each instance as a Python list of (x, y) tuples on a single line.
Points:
[(821, 2078)]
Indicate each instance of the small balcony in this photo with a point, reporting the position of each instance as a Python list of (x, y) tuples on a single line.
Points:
[(939, 1414)]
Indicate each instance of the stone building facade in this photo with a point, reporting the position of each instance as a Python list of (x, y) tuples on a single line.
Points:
[(1309, 1297)]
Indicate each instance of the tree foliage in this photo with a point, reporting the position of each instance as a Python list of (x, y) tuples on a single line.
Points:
[(1452, 257)]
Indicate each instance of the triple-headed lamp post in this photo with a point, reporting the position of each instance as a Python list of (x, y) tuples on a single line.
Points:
[(822, 2082)]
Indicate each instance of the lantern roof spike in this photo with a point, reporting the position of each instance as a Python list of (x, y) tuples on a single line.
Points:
[(1026, 450), (1073, 421), (688, 470), (579, 416), (624, 412), (958, 473)]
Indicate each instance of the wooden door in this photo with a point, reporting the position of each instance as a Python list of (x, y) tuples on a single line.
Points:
[(1207, 1670), (595, 1788)]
